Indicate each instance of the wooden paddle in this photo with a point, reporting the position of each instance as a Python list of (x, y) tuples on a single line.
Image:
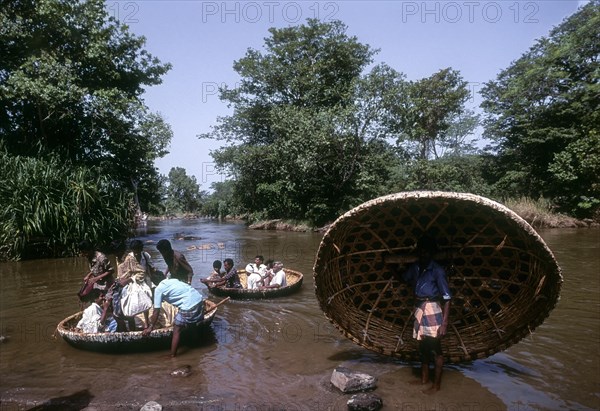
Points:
[(218, 304)]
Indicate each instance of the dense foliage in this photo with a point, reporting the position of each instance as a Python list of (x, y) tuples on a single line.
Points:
[(71, 81), (47, 207), (183, 193), (306, 147), (543, 116), (315, 129), (313, 135), (432, 119), (220, 203)]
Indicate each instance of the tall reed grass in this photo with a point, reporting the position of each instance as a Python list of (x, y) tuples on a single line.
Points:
[(539, 213), (47, 207)]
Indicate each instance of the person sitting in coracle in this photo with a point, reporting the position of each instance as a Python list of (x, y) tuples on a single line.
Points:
[(255, 271), (231, 279), (268, 272), (278, 279), (215, 276), (94, 317), (108, 321)]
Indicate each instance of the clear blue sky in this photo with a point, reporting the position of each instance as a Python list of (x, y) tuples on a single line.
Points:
[(202, 39)]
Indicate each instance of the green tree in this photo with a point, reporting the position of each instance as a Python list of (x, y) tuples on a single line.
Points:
[(433, 116), (71, 81), (309, 131), (542, 116), (221, 202), (432, 129), (183, 192), (310, 65), (463, 173)]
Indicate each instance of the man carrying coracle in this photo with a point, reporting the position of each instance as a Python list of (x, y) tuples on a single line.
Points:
[(432, 295)]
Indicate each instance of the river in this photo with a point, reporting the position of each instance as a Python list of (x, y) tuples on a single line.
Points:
[(279, 354)]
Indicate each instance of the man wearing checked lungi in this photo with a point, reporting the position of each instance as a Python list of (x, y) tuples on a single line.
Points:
[(188, 301), (432, 295)]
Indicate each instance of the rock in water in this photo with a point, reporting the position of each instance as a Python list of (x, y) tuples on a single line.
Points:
[(151, 406), (349, 381), (365, 402), (182, 371)]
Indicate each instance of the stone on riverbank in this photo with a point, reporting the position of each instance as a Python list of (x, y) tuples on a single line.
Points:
[(184, 371), (151, 406), (365, 402), (348, 381)]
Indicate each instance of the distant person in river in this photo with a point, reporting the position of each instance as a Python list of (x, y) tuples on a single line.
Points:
[(256, 272), (215, 276), (432, 295), (183, 296), (101, 271), (177, 265), (277, 277)]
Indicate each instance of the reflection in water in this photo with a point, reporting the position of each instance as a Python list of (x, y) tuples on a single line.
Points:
[(279, 354), (73, 402)]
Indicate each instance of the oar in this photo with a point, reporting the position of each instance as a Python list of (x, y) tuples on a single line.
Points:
[(218, 304)]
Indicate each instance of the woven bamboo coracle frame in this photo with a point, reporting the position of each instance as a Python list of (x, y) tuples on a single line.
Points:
[(503, 278)]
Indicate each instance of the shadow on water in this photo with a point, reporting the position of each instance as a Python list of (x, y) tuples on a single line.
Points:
[(74, 402), (202, 337), (347, 355)]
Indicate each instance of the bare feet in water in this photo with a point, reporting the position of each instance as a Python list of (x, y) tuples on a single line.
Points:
[(431, 390)]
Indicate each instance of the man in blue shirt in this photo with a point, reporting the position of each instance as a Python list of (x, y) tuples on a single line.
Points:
[(432, 295), (183, 296)]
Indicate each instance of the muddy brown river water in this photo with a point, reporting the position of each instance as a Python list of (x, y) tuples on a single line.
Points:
[(279, 354)]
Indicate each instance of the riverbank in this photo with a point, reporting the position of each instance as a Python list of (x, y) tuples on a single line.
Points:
[(536, 220), (538, 213)]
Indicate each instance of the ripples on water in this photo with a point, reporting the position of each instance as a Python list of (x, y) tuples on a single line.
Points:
[(258, 352), (558, 366)]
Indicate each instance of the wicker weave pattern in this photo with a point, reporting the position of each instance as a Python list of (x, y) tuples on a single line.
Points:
[(503, 277)]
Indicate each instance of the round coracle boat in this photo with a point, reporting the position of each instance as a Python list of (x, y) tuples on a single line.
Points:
[(131, 341), (293, 279), (503, 278)]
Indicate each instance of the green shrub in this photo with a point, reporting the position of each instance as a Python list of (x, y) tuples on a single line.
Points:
[(47, 207)]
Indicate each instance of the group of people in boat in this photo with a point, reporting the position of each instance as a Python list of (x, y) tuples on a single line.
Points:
[(260, 275), (138, 288), (141, 296)]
